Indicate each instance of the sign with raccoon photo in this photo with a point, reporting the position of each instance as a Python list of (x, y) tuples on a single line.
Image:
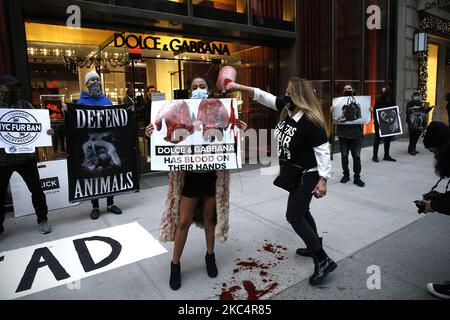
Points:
[(102, 153), (352, 110), (195, 135), (389, 122)]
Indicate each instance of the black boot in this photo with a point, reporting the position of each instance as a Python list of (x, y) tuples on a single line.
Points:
[(211, 267), (323, 266), (304, 252), (175, 276)]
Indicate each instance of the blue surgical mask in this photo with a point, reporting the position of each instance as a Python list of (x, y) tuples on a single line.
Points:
[(200, 94), (416, 98)]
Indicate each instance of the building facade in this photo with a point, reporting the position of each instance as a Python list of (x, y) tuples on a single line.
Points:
[(165, 43)]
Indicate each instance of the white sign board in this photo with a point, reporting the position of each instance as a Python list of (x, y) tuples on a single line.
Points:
[(195, 135), (21, 130), (40, 267), (389, 122), (54, 182), (352, 110)]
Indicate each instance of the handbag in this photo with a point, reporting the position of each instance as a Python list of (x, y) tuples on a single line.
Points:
[(352, 110), (289, 176)]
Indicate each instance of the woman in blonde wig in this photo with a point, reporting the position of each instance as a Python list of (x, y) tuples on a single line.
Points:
[(302, 142)]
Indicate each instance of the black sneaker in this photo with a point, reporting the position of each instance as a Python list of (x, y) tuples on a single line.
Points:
[(359, 182), (95, 213), (304, 252), (175, 276), (114, 209), (441, 291), (375, 159), (345, 179), (389, 158), (321, 270), (412, 153), (211, 267)]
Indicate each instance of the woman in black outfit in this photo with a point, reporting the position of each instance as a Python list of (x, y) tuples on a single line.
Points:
[(302, 140), (384, 101)]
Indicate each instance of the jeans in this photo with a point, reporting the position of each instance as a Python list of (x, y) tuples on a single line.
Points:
[(353, 146), (414, 136), (298, 214), (376, 145), (30, 174), (109, 202)]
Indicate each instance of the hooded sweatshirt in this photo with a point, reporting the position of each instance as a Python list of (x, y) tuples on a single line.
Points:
[(88, 100)]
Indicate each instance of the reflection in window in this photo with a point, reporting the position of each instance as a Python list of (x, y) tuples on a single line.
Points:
[(170, 6), (225, 10), (278, 14)]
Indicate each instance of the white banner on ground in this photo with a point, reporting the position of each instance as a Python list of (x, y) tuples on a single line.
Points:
[(21, 130), (194, 135), (54, 182), (389, 122), (40, 267), (352, 110)]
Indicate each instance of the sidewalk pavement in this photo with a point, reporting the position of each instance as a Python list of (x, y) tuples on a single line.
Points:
[(376, 225)]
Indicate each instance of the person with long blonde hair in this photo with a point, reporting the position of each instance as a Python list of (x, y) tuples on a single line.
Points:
[(302, 142)]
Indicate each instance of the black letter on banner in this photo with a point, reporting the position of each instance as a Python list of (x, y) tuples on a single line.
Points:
[(33, 266), (86, 258)]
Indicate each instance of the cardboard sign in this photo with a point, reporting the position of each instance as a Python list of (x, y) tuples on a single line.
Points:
[(102, 151), (54, 182), (352, 110), (40, 267), (195, 135), (389, 122), (21, 130)]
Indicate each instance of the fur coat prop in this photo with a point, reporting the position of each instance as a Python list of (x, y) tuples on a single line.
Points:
[(169, 220)]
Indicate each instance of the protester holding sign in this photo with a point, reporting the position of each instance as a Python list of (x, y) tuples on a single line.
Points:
[(95, 97), (416, 120), (305, 163), (350, 140), (196, 196), (385, 100), (24, 164)]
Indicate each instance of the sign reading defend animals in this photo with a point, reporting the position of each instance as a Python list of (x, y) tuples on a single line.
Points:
[(102, 154)]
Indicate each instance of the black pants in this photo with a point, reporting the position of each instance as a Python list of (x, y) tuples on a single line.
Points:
[(353, 146), (376, 144), (109, 202), (414, 136), (298, 214), (30, 174)]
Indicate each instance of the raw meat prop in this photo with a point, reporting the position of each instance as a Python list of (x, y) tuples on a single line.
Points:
[(213, 115), (177, 116)]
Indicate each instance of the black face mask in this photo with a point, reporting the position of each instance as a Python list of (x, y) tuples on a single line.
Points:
[(287, 102), (9, 98), (348, 93)]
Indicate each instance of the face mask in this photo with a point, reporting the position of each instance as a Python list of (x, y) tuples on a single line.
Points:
[(200, 94), (95, 89), (348, 93), (416, 98), (9, 98)]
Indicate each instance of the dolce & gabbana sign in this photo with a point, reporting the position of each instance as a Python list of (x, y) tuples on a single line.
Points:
[(176, 45)]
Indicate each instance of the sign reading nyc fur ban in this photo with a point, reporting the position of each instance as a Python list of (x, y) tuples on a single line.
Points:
[(102, 153), (21, 130)]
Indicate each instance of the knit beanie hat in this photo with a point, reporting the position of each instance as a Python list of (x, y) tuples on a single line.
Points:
[(90, 75)]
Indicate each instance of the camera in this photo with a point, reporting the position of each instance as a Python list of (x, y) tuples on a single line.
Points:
[(427, 196)]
